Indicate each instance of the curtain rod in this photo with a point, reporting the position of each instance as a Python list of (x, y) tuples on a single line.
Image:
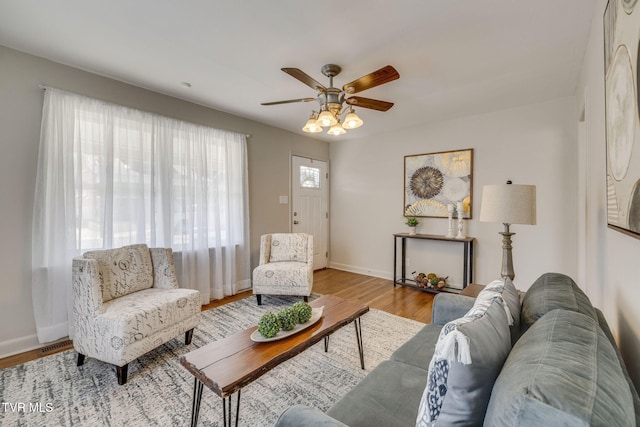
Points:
[(45, 87)]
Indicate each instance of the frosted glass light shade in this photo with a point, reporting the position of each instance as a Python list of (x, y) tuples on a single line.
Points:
[(352, 121), (509, 204), (336, 130), (327, 119), (312, 126)]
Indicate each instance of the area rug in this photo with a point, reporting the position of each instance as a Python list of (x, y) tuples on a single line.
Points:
[(53, 391)]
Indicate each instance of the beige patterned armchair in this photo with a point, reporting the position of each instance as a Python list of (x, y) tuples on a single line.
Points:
[(286, 265), (126, 302)]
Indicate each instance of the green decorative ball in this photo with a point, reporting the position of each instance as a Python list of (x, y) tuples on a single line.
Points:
[(304, 311), (288, 318), (269, 325)]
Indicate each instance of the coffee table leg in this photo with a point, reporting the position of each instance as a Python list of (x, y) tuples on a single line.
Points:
[(238, 409), (359, 338), (226, 410), (326, 343), (195, 406)]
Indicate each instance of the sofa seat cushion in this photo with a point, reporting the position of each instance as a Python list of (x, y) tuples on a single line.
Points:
[(563, 371), (467, 359), (552, 291), (283, 278), (388, 396), (141, 314), (123, 270), (418, 351), (288, 247)]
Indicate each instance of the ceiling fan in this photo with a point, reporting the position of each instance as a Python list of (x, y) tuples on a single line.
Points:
[(331, 99)]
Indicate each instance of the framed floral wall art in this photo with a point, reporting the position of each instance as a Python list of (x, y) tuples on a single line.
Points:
[(434, 181), (621, 29)]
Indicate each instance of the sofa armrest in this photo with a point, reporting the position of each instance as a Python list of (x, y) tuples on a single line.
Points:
[(300, 415), (164, 269), (448, 307), (87, 295)]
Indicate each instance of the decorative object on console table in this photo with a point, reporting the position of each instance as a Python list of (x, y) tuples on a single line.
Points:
[(450, 228), (508, 204), (412, 222), (432, 181), (460, 221)]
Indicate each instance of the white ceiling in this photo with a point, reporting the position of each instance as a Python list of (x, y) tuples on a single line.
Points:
[(455, 57)]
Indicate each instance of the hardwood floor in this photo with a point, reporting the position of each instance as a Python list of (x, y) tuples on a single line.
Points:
[(372, 291)]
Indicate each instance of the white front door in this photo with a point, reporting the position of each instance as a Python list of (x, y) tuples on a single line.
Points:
[(309, 207)]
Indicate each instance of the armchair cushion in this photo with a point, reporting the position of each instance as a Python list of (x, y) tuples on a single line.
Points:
[(123, 270), (288, 247), (283, 278)]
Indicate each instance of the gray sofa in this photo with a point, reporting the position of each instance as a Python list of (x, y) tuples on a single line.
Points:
[(561, 367)]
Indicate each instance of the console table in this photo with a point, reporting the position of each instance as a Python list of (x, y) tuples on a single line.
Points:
[(467, 265)]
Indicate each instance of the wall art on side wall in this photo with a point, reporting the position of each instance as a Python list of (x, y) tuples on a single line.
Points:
[(621, 58), (435, 180)]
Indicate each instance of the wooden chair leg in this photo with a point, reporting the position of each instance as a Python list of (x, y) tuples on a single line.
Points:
[(306, 299), (121, 372), (80, 359), (188, 336), (259, 298)]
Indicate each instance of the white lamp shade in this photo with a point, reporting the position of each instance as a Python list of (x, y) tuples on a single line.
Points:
[(509, 204)]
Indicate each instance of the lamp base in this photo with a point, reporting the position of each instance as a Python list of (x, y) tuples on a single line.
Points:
[(507, 259)]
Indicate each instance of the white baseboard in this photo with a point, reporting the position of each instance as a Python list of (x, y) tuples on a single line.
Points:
[(19, 345), (362, 270)]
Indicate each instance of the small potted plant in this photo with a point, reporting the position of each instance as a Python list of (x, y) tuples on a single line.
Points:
[(412, 222)]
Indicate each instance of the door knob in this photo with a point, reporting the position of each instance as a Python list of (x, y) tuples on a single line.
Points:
[(296, 222)]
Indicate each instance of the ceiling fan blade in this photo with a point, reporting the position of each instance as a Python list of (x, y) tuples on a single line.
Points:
[(374, 104), (304, 78), (289, 101), (377, 78)]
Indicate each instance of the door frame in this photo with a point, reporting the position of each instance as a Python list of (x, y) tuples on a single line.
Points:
[(293, 154)]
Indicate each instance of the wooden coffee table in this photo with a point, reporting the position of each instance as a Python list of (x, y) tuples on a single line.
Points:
[(227, 365)]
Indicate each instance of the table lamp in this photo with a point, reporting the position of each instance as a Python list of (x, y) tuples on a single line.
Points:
[(508, 204)]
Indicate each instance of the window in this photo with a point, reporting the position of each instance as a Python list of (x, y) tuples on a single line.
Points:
[(110, 176), (309, 177)]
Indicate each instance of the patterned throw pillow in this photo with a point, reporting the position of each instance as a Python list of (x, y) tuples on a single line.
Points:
[(288, 247), (466, 362), (123, 270)]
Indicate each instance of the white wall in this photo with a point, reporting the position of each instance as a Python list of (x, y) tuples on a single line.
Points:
[(535, 144), (20, 114), (613, 270)]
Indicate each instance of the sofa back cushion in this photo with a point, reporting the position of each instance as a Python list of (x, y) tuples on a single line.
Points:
[(467, 359), (123, 270), (288, 247), (553, 291), (563, 371)]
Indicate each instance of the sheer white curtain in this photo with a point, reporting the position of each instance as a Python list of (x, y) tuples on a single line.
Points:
[(110, 176)]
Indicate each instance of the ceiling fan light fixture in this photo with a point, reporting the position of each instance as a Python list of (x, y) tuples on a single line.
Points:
[(336, 130), (312, 125), (326, 118), (352, 121)]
